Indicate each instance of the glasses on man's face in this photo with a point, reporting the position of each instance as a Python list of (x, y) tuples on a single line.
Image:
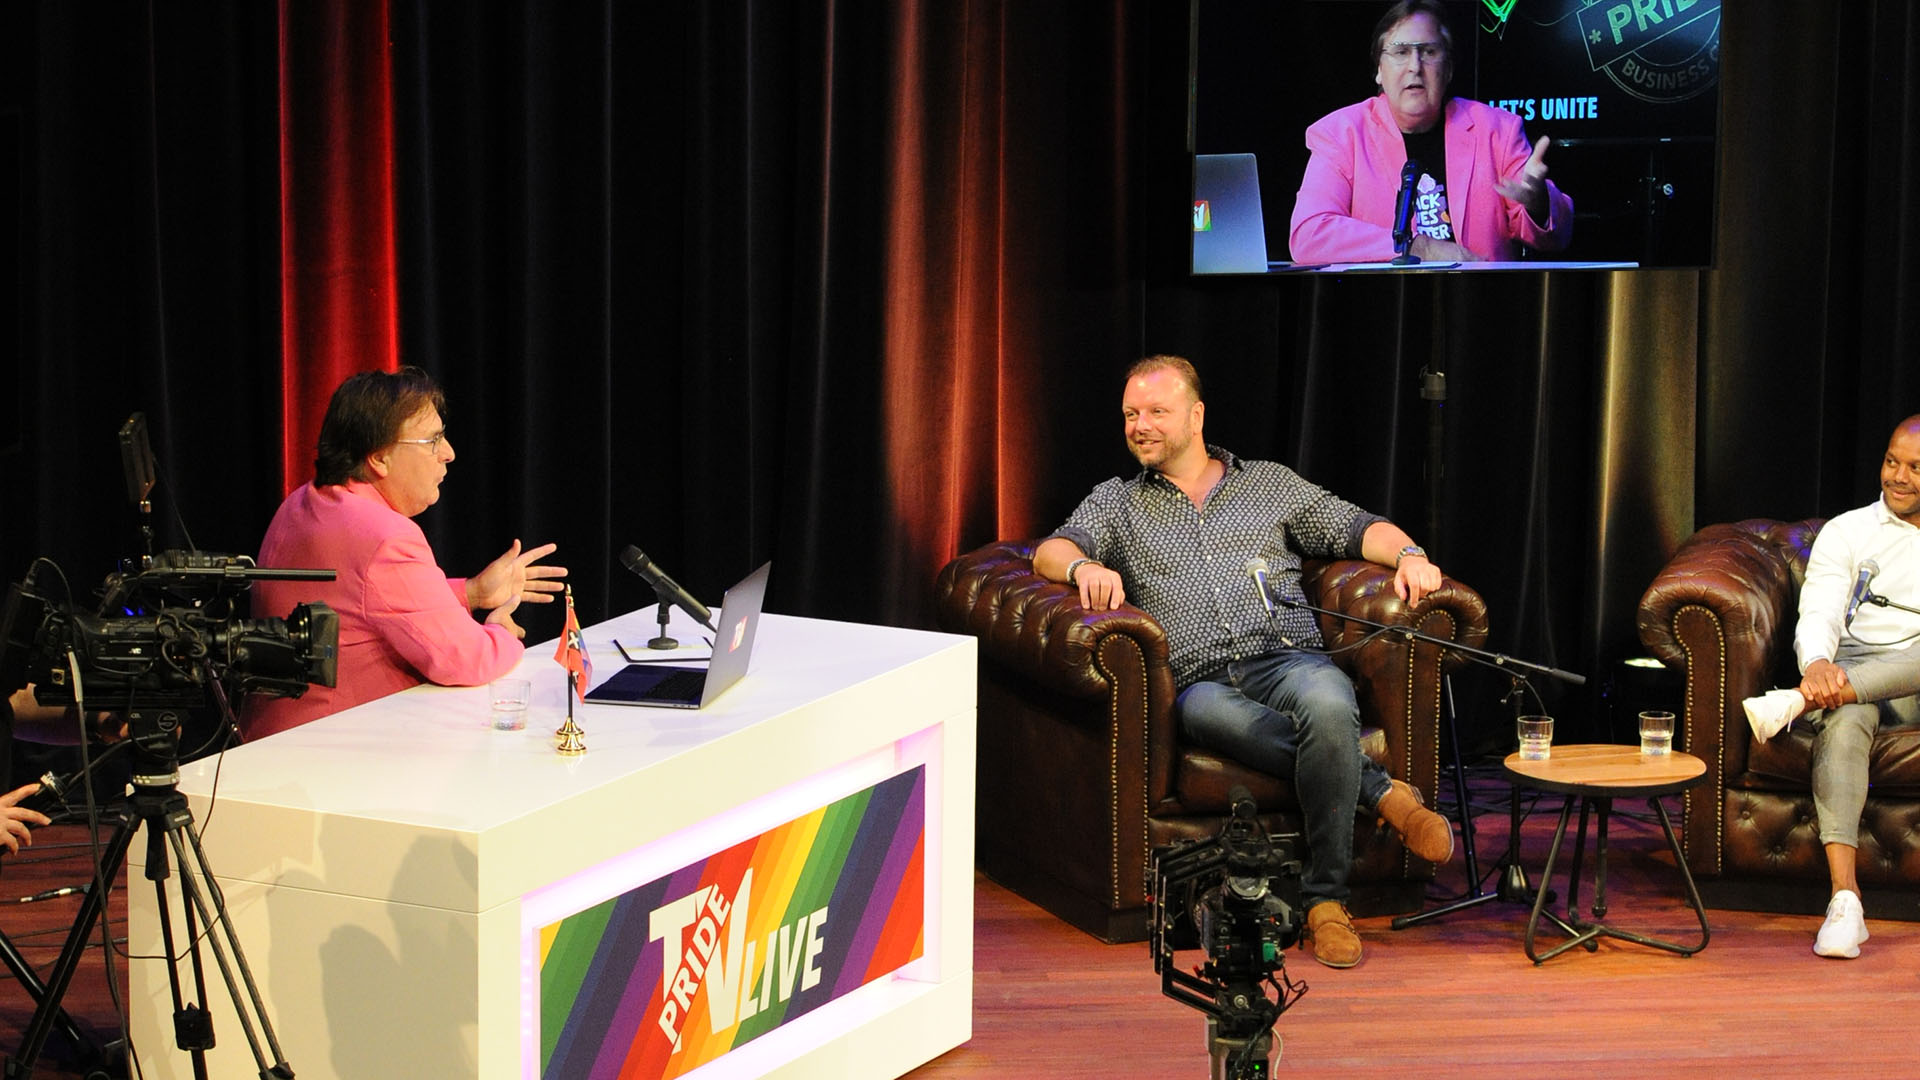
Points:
[(1401, 53), (432, 445)]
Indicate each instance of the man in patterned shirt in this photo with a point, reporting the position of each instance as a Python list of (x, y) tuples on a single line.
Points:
[(1176, 540)]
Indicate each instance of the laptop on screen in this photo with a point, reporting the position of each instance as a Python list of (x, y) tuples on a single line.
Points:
[(668, 686), (1229, 231)]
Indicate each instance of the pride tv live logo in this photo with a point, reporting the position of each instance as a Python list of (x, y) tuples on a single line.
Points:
[(673, 974)]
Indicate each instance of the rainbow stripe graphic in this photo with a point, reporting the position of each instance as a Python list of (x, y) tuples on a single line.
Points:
[(669, 976)]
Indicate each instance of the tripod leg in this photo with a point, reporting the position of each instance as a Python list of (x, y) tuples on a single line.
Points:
[(193, 860), (61, 975), (1463, 806)]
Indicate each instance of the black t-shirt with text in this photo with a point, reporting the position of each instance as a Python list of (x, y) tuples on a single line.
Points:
[(1430, 215)]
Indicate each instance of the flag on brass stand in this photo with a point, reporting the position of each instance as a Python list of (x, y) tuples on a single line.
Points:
[(572, 655)]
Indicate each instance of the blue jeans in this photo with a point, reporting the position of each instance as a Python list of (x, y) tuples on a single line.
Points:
[(1293, 715)]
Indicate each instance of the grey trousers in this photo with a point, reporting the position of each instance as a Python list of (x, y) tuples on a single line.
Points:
[(1888, 685)]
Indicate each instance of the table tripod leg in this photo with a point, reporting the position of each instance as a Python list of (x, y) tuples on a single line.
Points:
[(1686, 875), (1600, 863), (1577, 937), (1579, 860)]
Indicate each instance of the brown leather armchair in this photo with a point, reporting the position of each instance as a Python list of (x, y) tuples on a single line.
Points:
[(1723, 610), (1082, 771)]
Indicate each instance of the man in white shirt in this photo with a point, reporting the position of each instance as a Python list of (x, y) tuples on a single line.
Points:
[(1858, 666)]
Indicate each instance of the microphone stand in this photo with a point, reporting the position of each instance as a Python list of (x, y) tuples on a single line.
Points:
[(1513, 877), (1877, 600), (664, 608), (1403, 217)]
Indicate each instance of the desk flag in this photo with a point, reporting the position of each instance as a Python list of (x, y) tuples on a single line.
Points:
[(572, 653)]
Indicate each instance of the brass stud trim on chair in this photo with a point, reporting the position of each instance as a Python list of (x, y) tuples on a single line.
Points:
[(1113, 769), (1718, 764)]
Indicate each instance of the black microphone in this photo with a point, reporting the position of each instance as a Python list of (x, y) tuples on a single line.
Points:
[(1868, 571), (670, 591), (1257, 569), (1403, 216)]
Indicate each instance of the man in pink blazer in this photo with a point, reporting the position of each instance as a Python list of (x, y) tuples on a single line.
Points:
[(1486, 196), (382, 455)]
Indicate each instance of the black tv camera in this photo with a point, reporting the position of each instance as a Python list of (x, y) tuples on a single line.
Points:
[(163, 643), (1235, 897), (160, 634)]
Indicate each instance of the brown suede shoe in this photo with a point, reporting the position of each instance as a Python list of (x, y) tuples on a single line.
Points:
[(1425, 833), (1331, 935)]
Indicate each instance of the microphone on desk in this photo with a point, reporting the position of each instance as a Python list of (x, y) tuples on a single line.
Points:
[(1868, 571), (1403, 216), (668, 589)]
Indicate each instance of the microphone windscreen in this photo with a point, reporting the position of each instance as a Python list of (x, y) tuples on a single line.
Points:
[(1257, 565), (1870, 568)]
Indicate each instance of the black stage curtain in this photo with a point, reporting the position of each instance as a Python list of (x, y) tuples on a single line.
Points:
[(849, 286)]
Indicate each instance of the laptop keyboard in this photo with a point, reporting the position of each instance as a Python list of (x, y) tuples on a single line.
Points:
[(679, 686)]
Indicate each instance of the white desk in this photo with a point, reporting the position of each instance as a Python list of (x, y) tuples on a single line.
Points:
[(389, 868)]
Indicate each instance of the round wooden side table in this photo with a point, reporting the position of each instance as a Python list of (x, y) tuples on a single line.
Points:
[(1593, 776)]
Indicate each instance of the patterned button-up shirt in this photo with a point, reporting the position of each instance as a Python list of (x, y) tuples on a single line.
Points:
[(1187, 566)]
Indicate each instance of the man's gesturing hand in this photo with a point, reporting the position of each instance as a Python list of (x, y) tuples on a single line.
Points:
[(513, 576)]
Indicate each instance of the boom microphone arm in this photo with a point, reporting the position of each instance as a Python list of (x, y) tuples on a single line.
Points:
[(1498, 661)]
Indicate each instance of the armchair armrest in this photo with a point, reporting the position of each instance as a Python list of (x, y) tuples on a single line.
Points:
[(1038, 627), (1401, 684), (1747, 579), (1721, 611)]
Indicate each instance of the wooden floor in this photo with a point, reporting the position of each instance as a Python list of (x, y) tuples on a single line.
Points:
[(59, 858), (1457, 997), (1453, 997)]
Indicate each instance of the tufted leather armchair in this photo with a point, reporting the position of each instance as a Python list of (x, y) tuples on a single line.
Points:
[(1723, 610), (1082, 771)]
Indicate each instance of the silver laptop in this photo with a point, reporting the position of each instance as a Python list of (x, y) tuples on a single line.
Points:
[(1229, 231), (667, 686)]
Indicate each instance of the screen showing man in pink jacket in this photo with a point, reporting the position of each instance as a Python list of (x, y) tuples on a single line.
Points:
[(383, 452), (1480, 191)]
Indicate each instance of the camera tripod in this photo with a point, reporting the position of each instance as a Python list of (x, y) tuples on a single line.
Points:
[(157, 804)]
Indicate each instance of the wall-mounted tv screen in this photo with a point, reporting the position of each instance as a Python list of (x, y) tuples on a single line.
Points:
[(1626, 93)]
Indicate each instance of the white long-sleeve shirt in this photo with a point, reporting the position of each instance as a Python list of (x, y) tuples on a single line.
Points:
[(1871, 532)]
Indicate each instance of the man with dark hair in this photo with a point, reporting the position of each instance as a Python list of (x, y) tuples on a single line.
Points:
[(1175, 540), (383, 452), (1857, 668)]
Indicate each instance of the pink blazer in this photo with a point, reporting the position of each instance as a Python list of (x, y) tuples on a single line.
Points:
[(402, 620), (1344, 211)]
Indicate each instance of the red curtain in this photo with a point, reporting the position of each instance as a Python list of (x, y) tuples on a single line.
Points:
[(339, 294)]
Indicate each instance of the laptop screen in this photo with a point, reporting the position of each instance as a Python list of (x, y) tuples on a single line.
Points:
[(1229, 231)]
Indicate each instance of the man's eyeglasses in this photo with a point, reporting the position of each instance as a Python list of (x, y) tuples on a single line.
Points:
[(1401, 53), (432, 445)]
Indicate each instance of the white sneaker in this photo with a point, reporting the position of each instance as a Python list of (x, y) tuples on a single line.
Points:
[(1771, 712), (1846, 927)]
